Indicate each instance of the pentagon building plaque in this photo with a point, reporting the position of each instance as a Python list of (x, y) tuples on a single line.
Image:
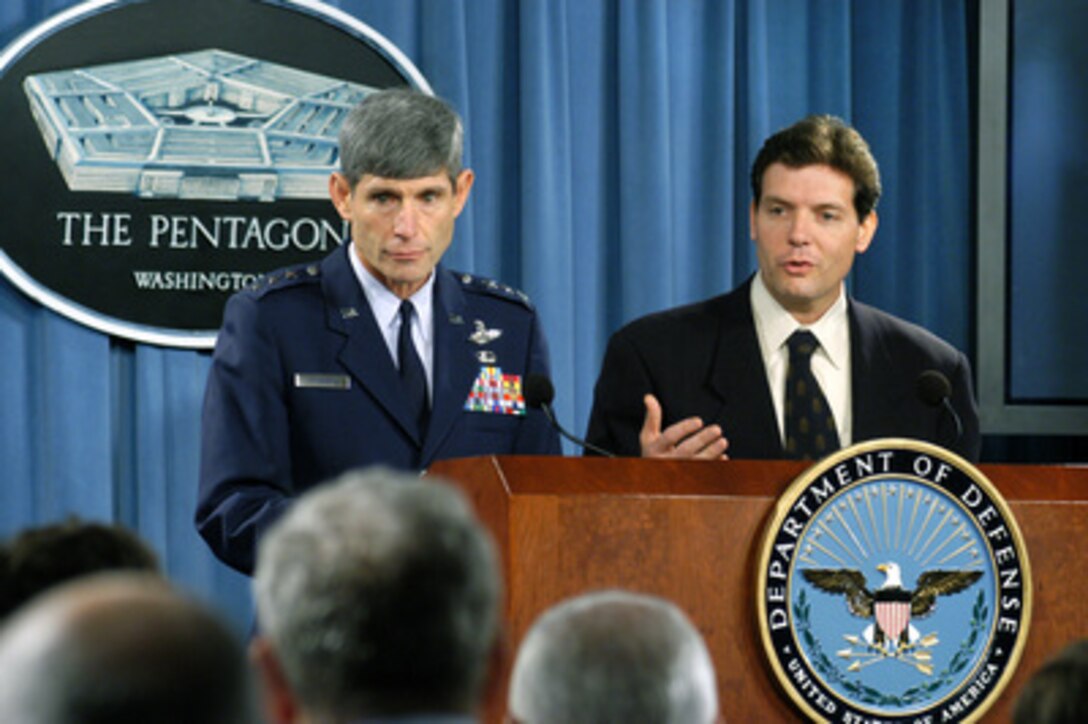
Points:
[(204, 125)]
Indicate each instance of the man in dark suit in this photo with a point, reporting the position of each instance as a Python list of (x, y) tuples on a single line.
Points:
[(710, 379), (376, 355)]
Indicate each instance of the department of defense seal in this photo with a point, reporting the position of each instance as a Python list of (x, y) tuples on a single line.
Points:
[(893, 586)]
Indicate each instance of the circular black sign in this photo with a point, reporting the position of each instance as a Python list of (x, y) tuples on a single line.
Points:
[(163, 154)]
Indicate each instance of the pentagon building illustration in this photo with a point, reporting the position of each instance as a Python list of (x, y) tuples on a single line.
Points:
[(203, 125)]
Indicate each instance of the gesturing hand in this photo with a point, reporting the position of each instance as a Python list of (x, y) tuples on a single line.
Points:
[(689, 438)]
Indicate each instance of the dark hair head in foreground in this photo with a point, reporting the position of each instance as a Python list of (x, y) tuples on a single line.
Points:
[(38, 558), (1058, 692)]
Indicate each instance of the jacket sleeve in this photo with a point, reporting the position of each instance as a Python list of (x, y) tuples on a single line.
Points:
[(969, 445), (245, 466), (618, 411)]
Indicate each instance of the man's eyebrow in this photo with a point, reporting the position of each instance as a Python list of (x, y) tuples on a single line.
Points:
[(436, 188), (383, 191), (823, 205)]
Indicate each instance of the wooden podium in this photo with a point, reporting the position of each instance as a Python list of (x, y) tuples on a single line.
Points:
[(690, 531)]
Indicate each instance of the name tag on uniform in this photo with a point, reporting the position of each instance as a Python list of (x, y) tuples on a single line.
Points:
[(321, 381)]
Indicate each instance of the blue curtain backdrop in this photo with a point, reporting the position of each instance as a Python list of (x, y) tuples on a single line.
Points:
[(611, 141)]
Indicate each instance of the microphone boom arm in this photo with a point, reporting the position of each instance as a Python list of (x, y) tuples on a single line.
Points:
[(548, 413)]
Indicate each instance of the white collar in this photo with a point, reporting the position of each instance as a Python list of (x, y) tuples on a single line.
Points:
[(385, 305), (774, 325)]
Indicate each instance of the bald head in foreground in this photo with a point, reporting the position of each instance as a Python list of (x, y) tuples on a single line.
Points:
[(121, 648), (613, 656)]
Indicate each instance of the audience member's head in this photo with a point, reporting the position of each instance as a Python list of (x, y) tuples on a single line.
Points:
[(121, 648), (613, 656), (377, 595), (1058, 692), (39, 558)]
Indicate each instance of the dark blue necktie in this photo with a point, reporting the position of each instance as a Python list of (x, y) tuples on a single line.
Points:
[(810, 425), (412, 375)]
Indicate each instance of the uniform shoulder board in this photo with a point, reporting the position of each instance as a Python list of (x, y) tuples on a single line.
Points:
[(478, 284), (285, 278)]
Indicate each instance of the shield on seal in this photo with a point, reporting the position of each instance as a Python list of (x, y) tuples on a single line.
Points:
[(892, 617)]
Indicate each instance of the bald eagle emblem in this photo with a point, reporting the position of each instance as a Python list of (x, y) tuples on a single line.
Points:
[(891, 607)]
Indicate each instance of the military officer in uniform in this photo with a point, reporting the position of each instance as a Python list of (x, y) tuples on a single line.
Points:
[(376, 355)]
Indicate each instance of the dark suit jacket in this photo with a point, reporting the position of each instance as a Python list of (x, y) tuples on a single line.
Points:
[(704, 360), (302, 387)]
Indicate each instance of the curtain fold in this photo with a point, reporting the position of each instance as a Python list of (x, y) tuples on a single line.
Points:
[(611, 141)]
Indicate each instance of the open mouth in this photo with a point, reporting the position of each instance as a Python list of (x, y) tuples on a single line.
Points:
[(797, 266)]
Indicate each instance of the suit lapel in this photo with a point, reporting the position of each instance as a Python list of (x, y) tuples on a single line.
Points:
[(870, 369), (364, 353), (455, 365), (739, 377)]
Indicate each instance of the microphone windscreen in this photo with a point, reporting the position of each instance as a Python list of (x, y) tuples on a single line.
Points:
[(538, 391), (933, 387)]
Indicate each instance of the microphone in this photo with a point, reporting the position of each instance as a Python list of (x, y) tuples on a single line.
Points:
[(539, 394), (934, 389)]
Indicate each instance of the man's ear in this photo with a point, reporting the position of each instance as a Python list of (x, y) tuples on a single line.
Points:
[(866, 232), (462, 188), (278, 701), (340, 193)]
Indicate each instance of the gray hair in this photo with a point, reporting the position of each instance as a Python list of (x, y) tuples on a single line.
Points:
[(401, 134), (122, 648), (379, 593), (613, 656)]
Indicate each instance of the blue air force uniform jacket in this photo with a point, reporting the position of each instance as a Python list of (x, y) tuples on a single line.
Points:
[(302, 387)]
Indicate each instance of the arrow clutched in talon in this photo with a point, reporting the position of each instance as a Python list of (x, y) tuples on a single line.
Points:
[(919, 660), (859, 665), (926, 642), (851, 654), (923, 668), (858, 641)]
